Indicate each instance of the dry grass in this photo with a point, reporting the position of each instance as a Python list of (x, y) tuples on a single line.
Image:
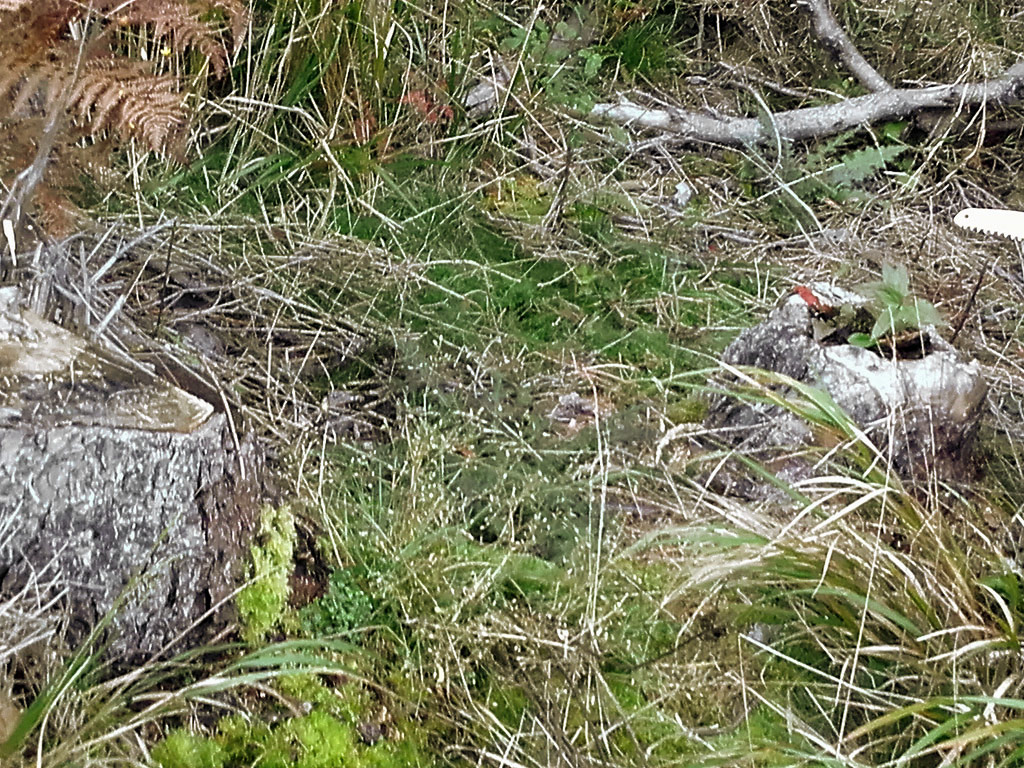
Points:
[(545, 595)]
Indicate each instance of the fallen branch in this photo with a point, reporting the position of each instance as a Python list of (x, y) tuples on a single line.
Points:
[(835, 39), (815, 122)]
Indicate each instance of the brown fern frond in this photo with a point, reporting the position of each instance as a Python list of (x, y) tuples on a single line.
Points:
[(30, 44), (237, 14), (55, 213), (56, 86), (126, 97), (183, 23), (28, 90), (42, 23), (42, 67)]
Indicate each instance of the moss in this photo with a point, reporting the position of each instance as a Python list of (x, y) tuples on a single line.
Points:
[(687, 410), (182, 749), (405, 753), (264, 600), (322, 741), (316, 740), (249, 743), (311, 688)]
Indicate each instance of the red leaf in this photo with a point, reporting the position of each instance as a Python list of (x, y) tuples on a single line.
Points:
[(813, 301)]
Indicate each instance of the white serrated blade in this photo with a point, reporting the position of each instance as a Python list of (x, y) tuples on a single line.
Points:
[(992, 222)]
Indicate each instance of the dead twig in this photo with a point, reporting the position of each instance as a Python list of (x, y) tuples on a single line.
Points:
[(828, 30), (884, 102), (962, 316)]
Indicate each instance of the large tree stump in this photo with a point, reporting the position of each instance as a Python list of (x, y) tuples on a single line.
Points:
[(128, 490)]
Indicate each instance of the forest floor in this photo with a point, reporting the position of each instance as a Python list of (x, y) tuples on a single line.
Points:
[(496, 548)]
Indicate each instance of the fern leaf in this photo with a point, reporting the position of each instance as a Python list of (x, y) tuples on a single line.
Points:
[(48, 69), (181, 22), (125, 96), (860, 165), (43, 68)]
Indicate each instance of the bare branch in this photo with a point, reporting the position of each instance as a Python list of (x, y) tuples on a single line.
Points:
[(835, 39), (816, 122)]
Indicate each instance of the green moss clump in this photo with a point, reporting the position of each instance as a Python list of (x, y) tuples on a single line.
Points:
[(313, 741), (322, 741), (263, 601), (253, 743), (316, 740), (182, 749), (409, 752)]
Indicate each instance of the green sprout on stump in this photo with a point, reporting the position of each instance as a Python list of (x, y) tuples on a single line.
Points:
[(895, 308)]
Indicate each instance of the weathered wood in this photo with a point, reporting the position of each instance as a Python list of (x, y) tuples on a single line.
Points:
[(128, 490), (922, 414)]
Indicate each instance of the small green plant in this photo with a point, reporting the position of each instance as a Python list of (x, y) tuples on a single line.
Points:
[(558, 57), (262, 603), (826, 178), (826, 173), (345, 607), (895, 308)]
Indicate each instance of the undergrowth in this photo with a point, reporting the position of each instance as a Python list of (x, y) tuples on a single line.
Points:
[(521, 564)]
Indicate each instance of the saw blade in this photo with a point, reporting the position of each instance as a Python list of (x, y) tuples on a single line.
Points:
[(992, 221)]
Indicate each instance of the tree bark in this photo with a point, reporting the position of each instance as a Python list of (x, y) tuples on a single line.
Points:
[(125, 492), (828, 30)]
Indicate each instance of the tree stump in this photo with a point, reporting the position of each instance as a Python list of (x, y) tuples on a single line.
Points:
[(129, 491), (922, 410)]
